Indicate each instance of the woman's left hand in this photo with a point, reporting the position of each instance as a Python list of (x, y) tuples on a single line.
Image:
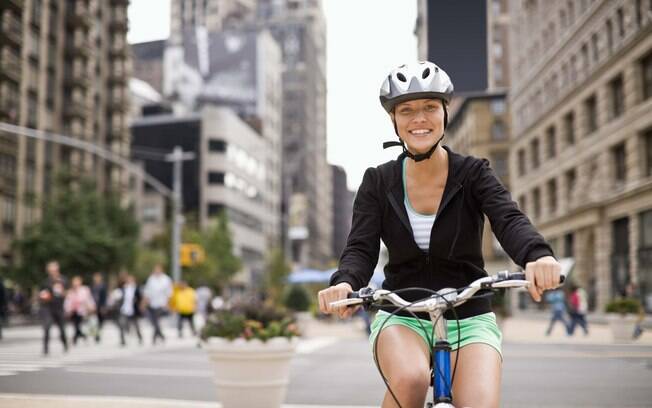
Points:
[(543, 274)]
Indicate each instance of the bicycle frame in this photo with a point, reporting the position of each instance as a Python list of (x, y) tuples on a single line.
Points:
[(441, 362)]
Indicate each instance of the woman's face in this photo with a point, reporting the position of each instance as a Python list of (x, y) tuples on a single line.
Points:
[(420, 123)]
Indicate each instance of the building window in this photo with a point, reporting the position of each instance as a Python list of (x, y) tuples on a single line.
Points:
[(534, 153), (647, 140), (571, 181), (499, 164), (610, 36), (498, 131), (215, 145), (498, 106), (617, 93), (568, 245), (646, 72), (551, 142), (621, 22), (215, 177), (521, 162), (552, 196), (591, 110), (619, 161), (595, 52), (8, 214), (585, 58), (646, 229), (639, 16), (536, 197), (562, 19), (569, 127), (214, 209)]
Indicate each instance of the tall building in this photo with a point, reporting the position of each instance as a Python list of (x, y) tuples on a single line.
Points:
[(230, 173), (581, 162), (299, 27), (148, 62), (213, 15), (64, 67), (342, 210)]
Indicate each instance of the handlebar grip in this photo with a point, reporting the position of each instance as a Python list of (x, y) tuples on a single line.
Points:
[(521, 276)]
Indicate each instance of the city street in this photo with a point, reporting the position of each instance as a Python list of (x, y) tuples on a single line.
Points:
[(333, 367)]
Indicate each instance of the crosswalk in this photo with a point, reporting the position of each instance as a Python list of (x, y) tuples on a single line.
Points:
[(20, 352)]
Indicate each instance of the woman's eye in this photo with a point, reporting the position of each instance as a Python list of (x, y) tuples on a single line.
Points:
[(431, 108), (405, 111)]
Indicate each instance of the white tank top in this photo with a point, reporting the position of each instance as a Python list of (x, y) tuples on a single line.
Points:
[(421, 223)]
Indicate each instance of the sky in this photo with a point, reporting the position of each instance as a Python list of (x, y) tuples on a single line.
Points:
[(366, 39)]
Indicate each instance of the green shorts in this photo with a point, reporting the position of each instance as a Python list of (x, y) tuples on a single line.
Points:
[(477, 329)]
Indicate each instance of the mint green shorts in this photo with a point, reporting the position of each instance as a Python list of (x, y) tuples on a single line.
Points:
[(477, 329)]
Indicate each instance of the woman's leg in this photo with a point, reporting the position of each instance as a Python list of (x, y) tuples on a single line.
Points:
[(477, 380), (405, 361)]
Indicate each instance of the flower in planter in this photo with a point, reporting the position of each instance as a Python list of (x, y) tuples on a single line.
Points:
[(250, 321)]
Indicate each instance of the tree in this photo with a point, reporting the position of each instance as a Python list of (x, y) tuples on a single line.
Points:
[(277, 274), (83, 230)]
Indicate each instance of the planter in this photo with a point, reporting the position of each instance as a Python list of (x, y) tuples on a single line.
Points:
[(622, 326), (251, 373)]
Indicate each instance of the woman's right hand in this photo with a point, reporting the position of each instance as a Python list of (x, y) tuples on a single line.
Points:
[(332, 294)]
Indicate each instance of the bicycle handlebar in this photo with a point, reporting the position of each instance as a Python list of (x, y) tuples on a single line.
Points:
[(444, 299)]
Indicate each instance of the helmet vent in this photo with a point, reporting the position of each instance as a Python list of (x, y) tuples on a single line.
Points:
[(425, 74), (401, 77)]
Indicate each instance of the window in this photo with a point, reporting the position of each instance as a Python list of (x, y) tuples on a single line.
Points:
[(647, 141), (552, 196), (8, 214), (521, 162), (646, 229), (215, 177), (571, 12), (591, 111), (646, 72), (562, 19), (534, 152), (619, 162), (610, 36), (551, 142), (536, 197), (216, 145), (639, 16), (617, 96), (498, 106), (594, 47), (499, 164), (585, 58), (568, 245), (498, 131), (621, 22), (571, 181), (569, 127)]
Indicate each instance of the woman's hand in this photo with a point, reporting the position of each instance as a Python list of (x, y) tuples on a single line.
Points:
[(332, 294), (543, 274)]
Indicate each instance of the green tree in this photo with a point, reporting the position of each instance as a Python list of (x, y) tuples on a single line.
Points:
[(276, 276), (85, 231)]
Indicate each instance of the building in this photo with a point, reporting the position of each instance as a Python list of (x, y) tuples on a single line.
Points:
[(480, 128), (212, 15), (64, 67), (231, 172), (342, 210), (148, 63), (581, 161)]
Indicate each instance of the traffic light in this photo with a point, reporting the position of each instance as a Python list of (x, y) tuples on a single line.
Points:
[(192, 254)]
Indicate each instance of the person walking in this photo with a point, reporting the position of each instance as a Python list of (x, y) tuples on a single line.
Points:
[(557, 302), (4, 305), (158, 291), (578, 308), (185, 303), (130, 309), (100, 296), (78, 304), (51, 298)]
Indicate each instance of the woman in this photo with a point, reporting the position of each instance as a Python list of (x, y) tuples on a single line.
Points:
[(428, 207), (78, 305)]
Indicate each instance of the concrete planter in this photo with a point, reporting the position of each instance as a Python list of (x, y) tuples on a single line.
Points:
[(622, 326), (251, 373)]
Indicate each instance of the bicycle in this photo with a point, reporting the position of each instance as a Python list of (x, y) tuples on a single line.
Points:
[(435, 305)]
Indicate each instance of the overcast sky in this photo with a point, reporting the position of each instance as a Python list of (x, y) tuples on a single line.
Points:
[(366, 39)]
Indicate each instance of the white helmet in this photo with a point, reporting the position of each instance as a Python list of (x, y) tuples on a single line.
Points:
[(418, 80)]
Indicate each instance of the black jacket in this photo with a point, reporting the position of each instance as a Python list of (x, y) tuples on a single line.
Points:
[(454, 258)]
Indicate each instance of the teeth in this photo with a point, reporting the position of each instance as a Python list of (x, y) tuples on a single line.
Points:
[(419, 131)]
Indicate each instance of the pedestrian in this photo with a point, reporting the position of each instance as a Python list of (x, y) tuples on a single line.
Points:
[(185, 303), (100, 296), (130, 309), (631, 291), (578, 307), (556, 300), (158, 291), (204, 296), (428, 206), (78, 305), (51, 298)]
